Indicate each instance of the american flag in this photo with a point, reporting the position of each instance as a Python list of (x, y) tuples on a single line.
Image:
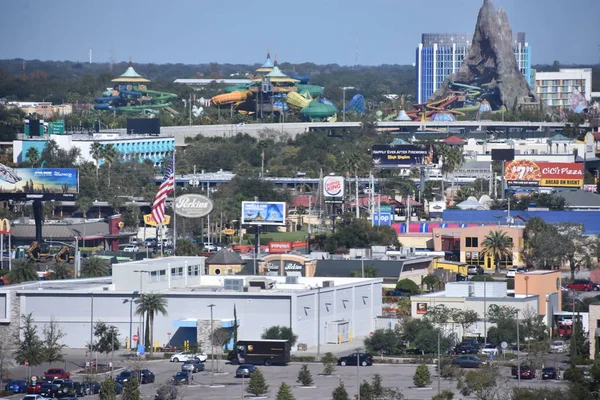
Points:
[(166, 187)]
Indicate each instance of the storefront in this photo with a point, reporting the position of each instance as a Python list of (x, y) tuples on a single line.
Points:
[(287, 265)]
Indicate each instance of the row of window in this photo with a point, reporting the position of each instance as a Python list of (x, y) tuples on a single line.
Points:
[(474, 241), (176, 273), (476, 258)]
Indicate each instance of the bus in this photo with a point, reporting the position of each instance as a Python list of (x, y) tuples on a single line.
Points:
[(261, 352)]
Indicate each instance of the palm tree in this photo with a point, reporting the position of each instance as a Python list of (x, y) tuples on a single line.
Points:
[(33, 155), (61, 270), (150, 304), (93, 267), (22, 271), (452, 158), (110, 154), (83, 204), (497, 245), (96, 151)]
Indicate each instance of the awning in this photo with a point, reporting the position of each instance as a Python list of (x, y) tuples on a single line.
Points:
[(186, 323)]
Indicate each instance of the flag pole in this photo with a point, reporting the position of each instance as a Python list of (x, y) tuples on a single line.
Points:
[(173, 207)]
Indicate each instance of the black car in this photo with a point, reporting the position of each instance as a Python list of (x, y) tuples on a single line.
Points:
[(245, 370), (147, 376), (397, 293), (466, 349), (414, 352), (66, 387), (549, 373), (125, 376), (180, 378), (49, 390), (467, 362), (363, 359)]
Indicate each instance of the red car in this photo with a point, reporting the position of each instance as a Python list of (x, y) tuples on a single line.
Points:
[(57, 373), (34, 388), (583, 285)]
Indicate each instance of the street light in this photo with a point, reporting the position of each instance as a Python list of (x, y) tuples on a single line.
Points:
[(212, 350), (112, 349), (358, 349), (130, 301), (518, 351), (141, 334), (344, 104)]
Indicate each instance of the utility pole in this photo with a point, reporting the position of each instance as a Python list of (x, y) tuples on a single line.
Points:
[(212, 347), (518, 353)]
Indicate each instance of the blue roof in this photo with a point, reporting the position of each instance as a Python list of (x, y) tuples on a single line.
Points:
[(590, 220)]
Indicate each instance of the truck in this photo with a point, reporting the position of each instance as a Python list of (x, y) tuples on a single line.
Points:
[(261, 352), (57, 373)]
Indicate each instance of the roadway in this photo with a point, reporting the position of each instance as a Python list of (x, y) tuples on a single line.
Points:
[(480, 125)]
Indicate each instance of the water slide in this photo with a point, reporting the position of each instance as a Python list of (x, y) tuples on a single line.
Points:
[(316, 110), (116, 103), (297, 100), (230, 98)]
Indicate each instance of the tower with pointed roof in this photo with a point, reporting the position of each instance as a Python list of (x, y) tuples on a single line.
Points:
[(130, 76)]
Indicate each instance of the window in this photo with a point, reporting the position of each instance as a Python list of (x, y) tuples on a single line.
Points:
[(472, 242), (158, 276), (598, 323), (193, 270), (177, 272)]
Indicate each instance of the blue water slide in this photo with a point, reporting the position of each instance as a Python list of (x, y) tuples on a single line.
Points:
[(106, 99), (102, 106), (130, 93), (303, 79)]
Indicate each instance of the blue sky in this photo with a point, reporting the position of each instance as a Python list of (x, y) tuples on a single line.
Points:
[(240, 31)]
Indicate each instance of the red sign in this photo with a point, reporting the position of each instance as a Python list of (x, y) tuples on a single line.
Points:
[(27, 363), (135, 338), (543, 174), (279, 247)]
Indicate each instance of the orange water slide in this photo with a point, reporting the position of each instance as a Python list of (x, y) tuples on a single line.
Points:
[(230, 98)]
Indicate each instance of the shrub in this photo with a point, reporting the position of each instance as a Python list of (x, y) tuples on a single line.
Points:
[(406, 285), (422, 376), (444, 395), (303, 358), (329, 361), (340, 393), (257, 384), (284, 393), (304, 376)]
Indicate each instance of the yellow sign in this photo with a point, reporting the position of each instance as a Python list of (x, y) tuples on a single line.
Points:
[(121, 224), (228, 231), (149, 220)]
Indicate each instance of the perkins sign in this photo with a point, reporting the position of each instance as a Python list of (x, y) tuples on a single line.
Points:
[(193, 206), (333, 186)]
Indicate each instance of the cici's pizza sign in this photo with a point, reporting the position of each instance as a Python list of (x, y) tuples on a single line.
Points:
[(543, 174)]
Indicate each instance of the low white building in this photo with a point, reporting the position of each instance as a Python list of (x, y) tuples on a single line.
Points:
[(555, 88)]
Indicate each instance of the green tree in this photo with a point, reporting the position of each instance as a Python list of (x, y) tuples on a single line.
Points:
[(504, 317), (22, 271), (107, 390), (131, 217), (465, 318), (110, 155), (52, 345), (422, 376), (167, 392), (61, 270), (284, 393), (407, 285), (107, 338), (444, 395), (83, 205), (29, 346), (482, 383), (257, 385), (93, 267), (432, 282), (385, 342), (280, 332), (329, 361), (370, 272), (340, 393), (304, 376), (187, 248), (33, 155), (131, 390), (497, 244), (150, 304), (404, 308)]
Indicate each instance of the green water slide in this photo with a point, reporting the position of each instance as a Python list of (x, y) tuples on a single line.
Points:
[(161, 100)]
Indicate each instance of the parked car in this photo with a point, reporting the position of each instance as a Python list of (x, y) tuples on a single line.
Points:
[(131, 248), (466, 349), (81, 389), (489, 349), (245, 370), (521, 270), (32, 397), (147, 376), (57, 373), (34, 388), (363, 359), (94, 387), (188, 356), (475, 270), (527, 372), (558, 346), (583, 285), (470, 342), (511, 273), (150, 242), (125, 376), (16, 386), (549, 373), (66, 387), (467, 361), (180, 378), (49, 390), (192, 366), (397, 293), (414, 352)]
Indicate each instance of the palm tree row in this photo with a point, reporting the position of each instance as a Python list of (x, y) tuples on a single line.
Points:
[(106, 152)]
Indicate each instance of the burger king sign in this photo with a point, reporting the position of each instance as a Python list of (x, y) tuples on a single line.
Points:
[(333, 186)]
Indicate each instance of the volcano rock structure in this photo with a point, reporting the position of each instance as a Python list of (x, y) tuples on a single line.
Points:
[(490, 65)]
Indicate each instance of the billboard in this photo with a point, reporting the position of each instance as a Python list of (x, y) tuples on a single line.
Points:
[(279, 247), (421, 308), (143, 126), (503, 154), (404, 155), (543, 174), (149, 220), (263, 213), (39, 180), (333, 186), (193, 205), (383, 219)]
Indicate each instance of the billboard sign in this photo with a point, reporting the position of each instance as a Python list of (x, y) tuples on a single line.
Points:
[(279, 247), (382, 219), (149, 220), (193, 205), (39, 180), (543, 174), (263, 213), (333, 186), (421, 308), (404, 155)]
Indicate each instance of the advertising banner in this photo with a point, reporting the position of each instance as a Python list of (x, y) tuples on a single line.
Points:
[(333, 186), (193, 205), (149, 220), (383, 219), (263, 213), (543, 174), (279, 247), (405, 155), (39, 180), (421, 308)]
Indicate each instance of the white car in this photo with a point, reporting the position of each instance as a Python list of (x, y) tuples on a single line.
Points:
[(558, 346), (131, 248), (33, 397), (489, 349), (511, 273), (188, 356)]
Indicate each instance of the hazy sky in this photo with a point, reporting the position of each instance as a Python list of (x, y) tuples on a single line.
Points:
[(240, 31)]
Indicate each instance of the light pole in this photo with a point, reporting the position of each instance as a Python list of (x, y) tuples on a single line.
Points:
[(358, 373), (344, 104), (518, 351), (112, 349), (130, 301), (142, 330), (485, 308), (212, 349), (318, 323), (573, 339), (439, 363)]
